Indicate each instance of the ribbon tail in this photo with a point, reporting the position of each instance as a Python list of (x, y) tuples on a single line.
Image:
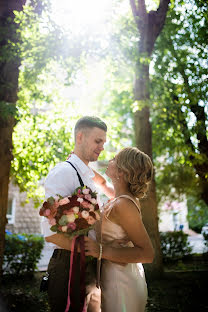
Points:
[(70, 274), (82, 275)]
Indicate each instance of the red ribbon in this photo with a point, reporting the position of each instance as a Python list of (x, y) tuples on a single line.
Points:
[(77, 241)]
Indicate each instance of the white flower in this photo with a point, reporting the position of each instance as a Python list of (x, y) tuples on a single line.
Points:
[(80, 199), (75, 209), (70, 217), (93, 201), (64, 228), (85, 191), (91, 207), (85, 214)]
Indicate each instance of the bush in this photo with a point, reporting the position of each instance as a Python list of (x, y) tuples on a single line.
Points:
[(174, 245), (22, 253)]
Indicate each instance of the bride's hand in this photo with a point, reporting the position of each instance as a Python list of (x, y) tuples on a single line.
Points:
[(92, 248)]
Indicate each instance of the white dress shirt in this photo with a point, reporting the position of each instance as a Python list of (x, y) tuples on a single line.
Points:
[(63, 180)]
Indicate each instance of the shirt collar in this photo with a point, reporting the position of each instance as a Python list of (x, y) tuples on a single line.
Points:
[(81, 166)]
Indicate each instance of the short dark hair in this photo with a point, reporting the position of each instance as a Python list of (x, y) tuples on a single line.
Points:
[(89, 122)]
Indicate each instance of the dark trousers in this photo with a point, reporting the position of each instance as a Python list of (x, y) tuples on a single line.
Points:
[(58, 270)]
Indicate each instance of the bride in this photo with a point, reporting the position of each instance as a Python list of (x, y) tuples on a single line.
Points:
[(123, 281)]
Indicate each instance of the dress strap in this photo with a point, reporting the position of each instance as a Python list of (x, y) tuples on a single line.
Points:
[(129, 197), (110, 207)]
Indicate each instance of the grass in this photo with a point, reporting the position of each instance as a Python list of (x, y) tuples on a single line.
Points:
[(179, 292), (182, 288)]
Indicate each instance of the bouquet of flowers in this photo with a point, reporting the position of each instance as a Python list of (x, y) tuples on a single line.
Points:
[(72, 215)]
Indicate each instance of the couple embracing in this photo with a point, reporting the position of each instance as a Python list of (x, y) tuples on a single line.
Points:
[(121, 241)]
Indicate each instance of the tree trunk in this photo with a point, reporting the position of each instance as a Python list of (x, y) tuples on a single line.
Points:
[(149, 26), (143, 133), (8, 96)]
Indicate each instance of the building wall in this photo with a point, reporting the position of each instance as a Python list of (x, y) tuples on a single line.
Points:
[(172, 215), (24, 218)]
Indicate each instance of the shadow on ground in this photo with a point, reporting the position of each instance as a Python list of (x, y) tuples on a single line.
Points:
[(183, 288)]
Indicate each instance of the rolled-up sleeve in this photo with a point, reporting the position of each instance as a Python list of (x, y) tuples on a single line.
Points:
[(61, 180)]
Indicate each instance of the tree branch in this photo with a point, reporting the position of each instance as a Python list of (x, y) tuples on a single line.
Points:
[(161, 15), (139, 12)]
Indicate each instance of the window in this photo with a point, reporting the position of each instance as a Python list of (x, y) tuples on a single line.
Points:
[(11, 210)]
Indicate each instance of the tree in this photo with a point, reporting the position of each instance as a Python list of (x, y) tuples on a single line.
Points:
[(179, 93), (23, 41), (149, 26), (9, 68)]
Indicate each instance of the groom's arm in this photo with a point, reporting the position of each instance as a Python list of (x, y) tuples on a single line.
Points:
[(106, 187), (59, 240), (60, 180)]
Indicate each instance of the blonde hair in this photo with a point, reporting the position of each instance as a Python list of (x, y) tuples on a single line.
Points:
[(138, 170)]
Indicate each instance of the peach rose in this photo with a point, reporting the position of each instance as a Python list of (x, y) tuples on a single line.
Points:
[(64, 228), (80, 199), (93, 201), (75, 209), (64, 201), (70, 217)]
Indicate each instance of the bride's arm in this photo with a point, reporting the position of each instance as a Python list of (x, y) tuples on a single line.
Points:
[(128, 217), (106, 187)]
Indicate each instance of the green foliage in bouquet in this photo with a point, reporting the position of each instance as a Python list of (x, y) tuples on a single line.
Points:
[(174, 245), (22, 253)]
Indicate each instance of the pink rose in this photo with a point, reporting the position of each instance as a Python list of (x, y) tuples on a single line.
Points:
[(72, 226), (52, 221), (47, 212), (85, 204), (85, 191), (64, 201), (88, 197)]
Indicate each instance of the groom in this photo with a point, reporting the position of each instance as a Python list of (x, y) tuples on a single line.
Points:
[(90, 136)]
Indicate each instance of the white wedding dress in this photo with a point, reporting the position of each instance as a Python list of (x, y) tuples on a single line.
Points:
[(123, 288)]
